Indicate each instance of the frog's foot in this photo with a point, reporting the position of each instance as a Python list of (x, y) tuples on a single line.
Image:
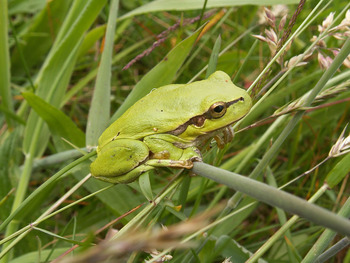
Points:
[(128, 177), (225, 136), (188, 164)]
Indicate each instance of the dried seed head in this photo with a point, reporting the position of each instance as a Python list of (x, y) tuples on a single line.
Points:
[(270, 17), (267, 16), (327, 22), (260, 37), (345, 23), (282, 23), (293, 106), (289, 45), (335, 51), (342, 146), (280, 10), (324, 61), (338, 36), (321, 43), (346, 62), (271, 34), (272, 46), (295, 61), (333, 91)]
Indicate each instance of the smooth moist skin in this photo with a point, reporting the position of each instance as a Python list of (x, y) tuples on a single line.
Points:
[(165, 128)]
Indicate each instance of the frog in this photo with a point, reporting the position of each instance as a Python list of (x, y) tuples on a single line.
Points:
[(168, 127)]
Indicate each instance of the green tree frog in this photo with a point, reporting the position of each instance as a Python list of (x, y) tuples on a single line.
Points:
[(166, 127)]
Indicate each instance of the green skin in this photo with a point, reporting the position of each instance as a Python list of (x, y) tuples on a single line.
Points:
[(166, 127)]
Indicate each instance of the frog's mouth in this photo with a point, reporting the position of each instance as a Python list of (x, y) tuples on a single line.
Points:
[(199, 120)]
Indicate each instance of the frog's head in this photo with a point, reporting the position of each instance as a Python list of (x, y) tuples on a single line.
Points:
[(220, 103)]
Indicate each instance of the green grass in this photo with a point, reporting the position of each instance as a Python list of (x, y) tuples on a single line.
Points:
[(62, 83)]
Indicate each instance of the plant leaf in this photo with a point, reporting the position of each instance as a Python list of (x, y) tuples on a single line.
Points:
[(213, 61), (339, 171), (180, 5), (100, 104), (59, 123)]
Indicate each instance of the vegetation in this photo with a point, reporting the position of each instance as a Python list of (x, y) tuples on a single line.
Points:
[(69, 68)]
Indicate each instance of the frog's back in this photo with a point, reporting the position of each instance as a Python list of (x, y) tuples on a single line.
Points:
[(166, 108), (150, 115)]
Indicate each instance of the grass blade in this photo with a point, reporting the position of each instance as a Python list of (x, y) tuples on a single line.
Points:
[(5, 89), (214, 57), (100, 105), (326, 238), (275, 197), (179, 5), (59, 123)]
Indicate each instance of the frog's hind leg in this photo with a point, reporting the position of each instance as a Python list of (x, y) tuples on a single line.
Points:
[(166, 154), (121, 161), (128, 177)]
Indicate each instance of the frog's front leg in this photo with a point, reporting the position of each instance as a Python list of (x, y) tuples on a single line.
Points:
[(121, 161), (166, 153)]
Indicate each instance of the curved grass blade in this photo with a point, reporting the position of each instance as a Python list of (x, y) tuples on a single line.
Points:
[(181, 5), (213, 61), (340, 170), (100, 105), (59, 123)]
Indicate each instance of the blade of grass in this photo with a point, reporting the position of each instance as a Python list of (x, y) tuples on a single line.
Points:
[(51, 181), (340, 170), (245, 33), (59, 123), (213, 61), (20, 234), (246, 58), (12, 115), (258, 254), (25, 6), (58, 67), (202, 12), (57, 158), (136, 221), (55, 74), (167, 5), (92, 74), (282, 217), (37, 37), (218, 21), (333, 250), (275, 197), (5, 88), (100, 104), (326, 238)]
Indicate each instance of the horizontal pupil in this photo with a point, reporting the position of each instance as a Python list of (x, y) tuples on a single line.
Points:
[(218, 108)]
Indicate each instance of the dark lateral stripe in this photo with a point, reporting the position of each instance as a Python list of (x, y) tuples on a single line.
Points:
[(180, 129)]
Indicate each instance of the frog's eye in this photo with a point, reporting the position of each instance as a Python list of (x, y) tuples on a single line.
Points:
[(218, 109)]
